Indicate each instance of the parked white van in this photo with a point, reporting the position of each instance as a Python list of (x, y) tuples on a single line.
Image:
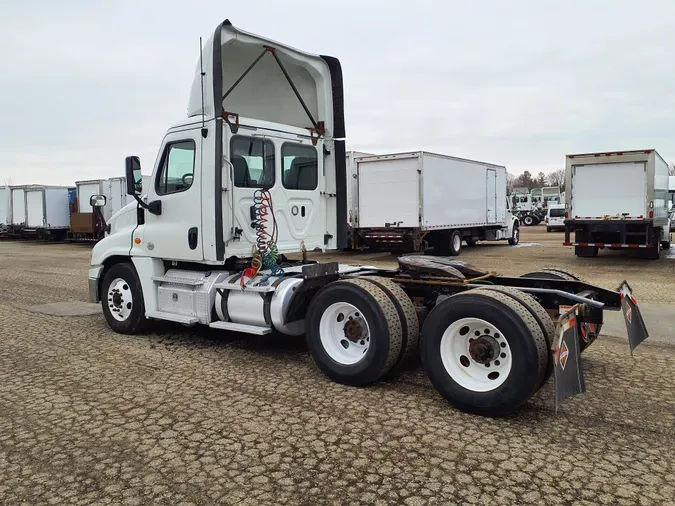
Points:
[(555, 217)]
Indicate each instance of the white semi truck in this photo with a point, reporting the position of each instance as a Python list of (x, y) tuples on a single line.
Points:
[(617, 200), (258, 170), (410, 201)]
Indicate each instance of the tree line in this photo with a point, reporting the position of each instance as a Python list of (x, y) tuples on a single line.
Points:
[(527, 180)]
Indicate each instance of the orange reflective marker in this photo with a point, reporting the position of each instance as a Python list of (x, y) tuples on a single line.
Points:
[(137, 240)]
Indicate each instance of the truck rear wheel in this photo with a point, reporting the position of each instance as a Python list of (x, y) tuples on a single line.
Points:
[(354, 332), (484, 352), (410, 326), (654, 252), (455, 243), (586, 251), (122, 300), (553, 273), (539, 313)]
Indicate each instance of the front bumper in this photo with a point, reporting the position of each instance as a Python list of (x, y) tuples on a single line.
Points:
[(94, 276)]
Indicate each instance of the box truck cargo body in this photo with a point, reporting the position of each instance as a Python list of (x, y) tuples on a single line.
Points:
[(5, 208), (617, 200), (18, 196), (47, 208), (353, 187), (85, 189), (413, 200)]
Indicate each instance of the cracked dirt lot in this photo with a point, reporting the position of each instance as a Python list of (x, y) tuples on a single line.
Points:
[(190, 416)]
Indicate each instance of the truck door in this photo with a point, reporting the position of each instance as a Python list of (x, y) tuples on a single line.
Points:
[(176, 233), (491, 176), (291, 169)]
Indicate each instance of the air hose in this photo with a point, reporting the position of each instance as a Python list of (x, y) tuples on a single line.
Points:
[(266, 255)]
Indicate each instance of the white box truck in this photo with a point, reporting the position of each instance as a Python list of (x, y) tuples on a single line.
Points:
[(258, 170), (85, 189), (353, 192), (5, 208), (617, 200), (115, 190), (47, 211), (18, 209), (409, 201)]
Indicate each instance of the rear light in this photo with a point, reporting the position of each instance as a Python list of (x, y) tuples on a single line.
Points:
[(651, 214), (567, 215)]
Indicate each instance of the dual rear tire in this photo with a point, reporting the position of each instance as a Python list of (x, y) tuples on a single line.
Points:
[(361, 330), (487, 351)]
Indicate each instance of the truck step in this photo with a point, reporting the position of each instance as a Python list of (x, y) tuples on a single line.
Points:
[(240, 327), (177, 281), (171, 317)]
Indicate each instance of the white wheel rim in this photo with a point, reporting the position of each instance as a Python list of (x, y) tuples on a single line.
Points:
[(456, 242), (516, 234), (467, 346), (120, 301), (344, 332)]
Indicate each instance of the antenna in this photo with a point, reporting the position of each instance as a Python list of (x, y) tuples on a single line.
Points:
[(201, 71)]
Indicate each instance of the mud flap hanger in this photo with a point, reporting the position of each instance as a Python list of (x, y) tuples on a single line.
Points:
[(316, 131)]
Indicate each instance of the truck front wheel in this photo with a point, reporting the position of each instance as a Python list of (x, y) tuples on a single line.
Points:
[(122, 299), (515, 236)]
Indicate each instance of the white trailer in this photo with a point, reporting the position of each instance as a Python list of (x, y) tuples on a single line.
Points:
[(5, 208), (353, 190), (617, 200), (272, 155), (409, 201), (18, 210), (116, 195), (85, 189), (47, 210), (115, 190)]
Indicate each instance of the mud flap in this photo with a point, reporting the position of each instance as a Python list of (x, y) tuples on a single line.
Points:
[(568, 373), (635, 325)]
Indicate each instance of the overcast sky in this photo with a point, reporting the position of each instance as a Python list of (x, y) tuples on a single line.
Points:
[(518, 82)]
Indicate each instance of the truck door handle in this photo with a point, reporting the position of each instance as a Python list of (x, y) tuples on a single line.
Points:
[(193, 237)]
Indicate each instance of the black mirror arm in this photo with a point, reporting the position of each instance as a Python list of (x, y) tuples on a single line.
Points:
[(106, 227), (154, 207)]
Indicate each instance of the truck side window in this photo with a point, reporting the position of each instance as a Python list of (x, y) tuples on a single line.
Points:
[(301, 166), (177, 168), (252, 161)]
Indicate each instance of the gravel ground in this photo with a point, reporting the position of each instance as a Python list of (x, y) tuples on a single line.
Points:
[(191, 416)]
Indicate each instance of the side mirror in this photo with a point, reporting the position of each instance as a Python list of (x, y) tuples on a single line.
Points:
[(133, 175), (97, 200)]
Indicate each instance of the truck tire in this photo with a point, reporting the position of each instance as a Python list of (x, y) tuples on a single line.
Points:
[(530, 220), (586, 251), (539, 313), (354, 333), (410, 325), (553, 273), (484, 352), (654, 253), (455, 243), (515, 235), (122, 300)]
